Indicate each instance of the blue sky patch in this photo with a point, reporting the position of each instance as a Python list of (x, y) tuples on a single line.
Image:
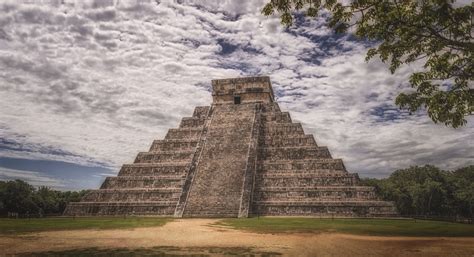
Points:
[(71, 175)]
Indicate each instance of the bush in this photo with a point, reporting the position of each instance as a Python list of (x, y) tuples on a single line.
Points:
[(429, 191), (17, 196)]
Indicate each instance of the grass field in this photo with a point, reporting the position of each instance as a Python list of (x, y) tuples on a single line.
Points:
[(376, 227), (15, 226)]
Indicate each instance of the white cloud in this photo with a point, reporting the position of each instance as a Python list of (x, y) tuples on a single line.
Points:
[(33, 178), (102, 83)]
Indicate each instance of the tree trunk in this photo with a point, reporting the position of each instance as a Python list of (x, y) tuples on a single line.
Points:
[(429, 202)]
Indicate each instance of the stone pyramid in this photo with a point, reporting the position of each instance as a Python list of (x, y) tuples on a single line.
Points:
[(242, 156)]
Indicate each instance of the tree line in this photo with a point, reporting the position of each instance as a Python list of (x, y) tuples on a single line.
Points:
[(17, 196), (416, 191), (428, 191)]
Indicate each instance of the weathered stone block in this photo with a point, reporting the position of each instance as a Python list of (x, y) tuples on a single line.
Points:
[(143, 182), (173, 145)]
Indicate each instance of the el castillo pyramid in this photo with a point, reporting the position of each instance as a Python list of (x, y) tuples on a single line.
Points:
[(240, 157)]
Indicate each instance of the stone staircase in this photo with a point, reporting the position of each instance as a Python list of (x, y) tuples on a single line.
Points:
[(217, 187)]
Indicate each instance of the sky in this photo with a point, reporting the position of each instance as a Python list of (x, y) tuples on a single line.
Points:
[(86, 85)]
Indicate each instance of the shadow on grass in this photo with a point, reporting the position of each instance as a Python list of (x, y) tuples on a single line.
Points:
[(21, 226), (370, 227), (155, 251)]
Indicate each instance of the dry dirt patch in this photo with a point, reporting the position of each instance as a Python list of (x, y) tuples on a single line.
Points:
[(188, 233)]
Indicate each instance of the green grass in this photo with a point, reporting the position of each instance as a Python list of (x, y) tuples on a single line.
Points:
[(15, 226), (377, 227), (380, 227), (155, 251)]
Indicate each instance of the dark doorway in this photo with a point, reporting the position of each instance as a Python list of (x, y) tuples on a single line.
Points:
[(237, 99)]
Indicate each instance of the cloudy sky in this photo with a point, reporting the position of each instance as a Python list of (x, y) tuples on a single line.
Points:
[(86, 85)]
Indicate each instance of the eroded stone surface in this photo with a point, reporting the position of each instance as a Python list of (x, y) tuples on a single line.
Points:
[(242, 156)]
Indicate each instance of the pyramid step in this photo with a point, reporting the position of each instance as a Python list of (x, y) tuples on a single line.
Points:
[(275, 129), (132, 195), (309, 164), (142, 203), (221, 130), (211, 215), (293, 181), (292, 148), (184, 133), (142, 182), (294, 153), (324, 208), (220, 206), (176, 152), (222, 119), (287, 141), (277, 117), (236, 109), (153, 169), (192, 122), (159, 208), (317, 188), (156, 177), (343, 196), (160, 157), (201, 112), (315, 193), (271, 108), (173, 145), (316, 174), (324, 203), (216, 211)]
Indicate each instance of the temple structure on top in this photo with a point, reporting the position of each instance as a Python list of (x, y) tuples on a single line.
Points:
[(240, 157)]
